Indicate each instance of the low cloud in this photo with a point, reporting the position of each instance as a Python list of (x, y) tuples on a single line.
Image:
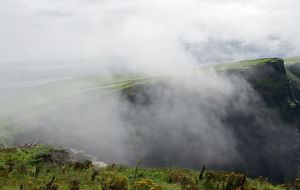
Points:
[(188, 119), (81, 37)]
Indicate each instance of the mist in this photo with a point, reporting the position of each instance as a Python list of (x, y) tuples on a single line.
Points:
[(50, 48), (185, 121), (66, 38)]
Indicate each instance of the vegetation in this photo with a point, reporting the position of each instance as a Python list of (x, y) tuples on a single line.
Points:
[(31, 168), (35, 168), (242, 64)]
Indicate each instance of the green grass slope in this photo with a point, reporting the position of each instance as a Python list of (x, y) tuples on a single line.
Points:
[(27, 103), (35, 168), (242, 64)]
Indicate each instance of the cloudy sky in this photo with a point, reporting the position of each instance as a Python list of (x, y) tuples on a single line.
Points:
[(143, 35)]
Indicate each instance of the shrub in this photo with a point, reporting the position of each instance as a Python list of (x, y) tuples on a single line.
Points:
[(175, 177), (51, 185), (186, 180), (297, 184), (187, 183), (80, 165), (146, 184), (236, 180), (110, 180), (74, 185), (119, 183), (94, 175)]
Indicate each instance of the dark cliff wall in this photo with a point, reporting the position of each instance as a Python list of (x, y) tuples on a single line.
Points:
[(270, 80), (263, 135)]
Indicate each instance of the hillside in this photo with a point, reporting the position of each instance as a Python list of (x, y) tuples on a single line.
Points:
[(277, 84), (41, 167)]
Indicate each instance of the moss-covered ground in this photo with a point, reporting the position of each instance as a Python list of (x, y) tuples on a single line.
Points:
[(31, 168)]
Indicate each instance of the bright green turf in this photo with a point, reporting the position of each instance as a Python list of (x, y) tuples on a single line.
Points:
[(23, 164), (241, 65)]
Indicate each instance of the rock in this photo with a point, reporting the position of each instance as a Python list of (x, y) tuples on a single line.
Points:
[(99, 164)]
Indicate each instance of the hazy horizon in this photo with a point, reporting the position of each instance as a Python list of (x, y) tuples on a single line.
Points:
[(50, 38)]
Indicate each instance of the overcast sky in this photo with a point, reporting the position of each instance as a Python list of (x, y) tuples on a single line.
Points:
[(139, 35)]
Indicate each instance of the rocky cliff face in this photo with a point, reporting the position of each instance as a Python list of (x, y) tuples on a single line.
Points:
[(271, 81), (265, 138)]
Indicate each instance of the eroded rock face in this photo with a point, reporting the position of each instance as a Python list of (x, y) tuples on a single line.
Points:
[(278, 65), (271, 82), (59, 157), (263, 133), (137, 95), (63, 157)]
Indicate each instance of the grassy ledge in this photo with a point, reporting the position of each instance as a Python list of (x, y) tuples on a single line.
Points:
[(35, 168)]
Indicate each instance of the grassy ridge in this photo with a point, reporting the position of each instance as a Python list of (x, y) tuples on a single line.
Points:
[(29, 169), (27, 103), (242, 64)]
